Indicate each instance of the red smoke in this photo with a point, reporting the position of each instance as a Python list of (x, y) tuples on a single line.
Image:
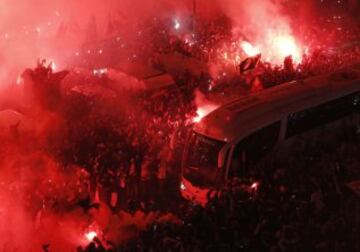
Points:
[(31, 29), (264, 24), (204, 106)]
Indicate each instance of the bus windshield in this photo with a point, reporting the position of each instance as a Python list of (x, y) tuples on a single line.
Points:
[(201, 161)]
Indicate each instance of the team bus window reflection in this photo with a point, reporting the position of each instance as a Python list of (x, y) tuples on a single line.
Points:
[(202, 159)]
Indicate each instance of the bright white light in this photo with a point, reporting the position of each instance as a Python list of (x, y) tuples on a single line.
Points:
[(285, 45), (249, 49), (100, 71), (254, 185), (53, 66), (19, 80), (90, 235), (177, 25), (182, 186), (203, 111), (200, 114)]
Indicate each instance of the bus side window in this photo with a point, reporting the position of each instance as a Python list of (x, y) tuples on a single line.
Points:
[(356, 102), (258, 144), (323, 114), (252, 148), (237, 168)]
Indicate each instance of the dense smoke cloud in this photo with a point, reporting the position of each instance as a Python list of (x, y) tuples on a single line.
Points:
[(35, 12), (264, 23), (28, 28), (254, 17)]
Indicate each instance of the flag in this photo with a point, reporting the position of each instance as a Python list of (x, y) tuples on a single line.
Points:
[(249, 63)]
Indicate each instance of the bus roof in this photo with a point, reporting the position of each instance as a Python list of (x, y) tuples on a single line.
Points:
[(248, 113)]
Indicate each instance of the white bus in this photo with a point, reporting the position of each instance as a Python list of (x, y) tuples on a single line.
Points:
[(230, 140)]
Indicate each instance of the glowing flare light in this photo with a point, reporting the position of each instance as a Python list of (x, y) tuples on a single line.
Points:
[(177, 24), (203, 111), (254, 186), (274, 49), (249, 49), (90, 235), (285, 45)]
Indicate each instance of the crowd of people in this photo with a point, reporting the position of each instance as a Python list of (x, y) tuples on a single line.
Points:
[(301, 204), (287, 207), (127, 152)]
